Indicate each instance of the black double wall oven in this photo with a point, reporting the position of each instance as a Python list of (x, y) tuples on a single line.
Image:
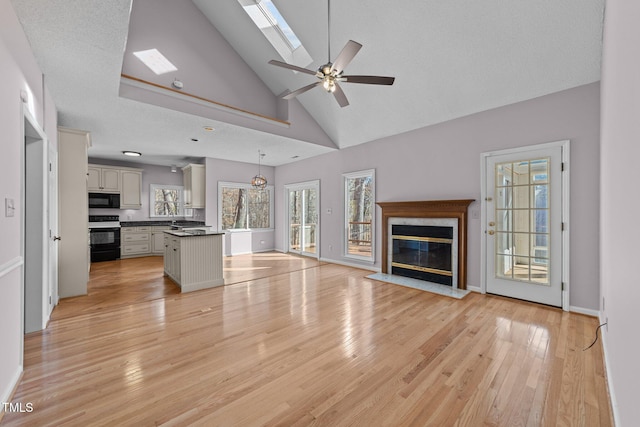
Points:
[(104, 237)]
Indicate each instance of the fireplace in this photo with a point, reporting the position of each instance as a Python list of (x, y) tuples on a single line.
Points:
[(426, 240)]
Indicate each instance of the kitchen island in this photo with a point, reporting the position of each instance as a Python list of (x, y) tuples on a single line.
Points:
[(193, 258)]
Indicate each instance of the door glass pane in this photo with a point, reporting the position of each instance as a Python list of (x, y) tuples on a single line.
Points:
[(295, 216), (359, 204), (522, 221), (310, 222)]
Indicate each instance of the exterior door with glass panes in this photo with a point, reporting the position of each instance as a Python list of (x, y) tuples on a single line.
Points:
[(303, 227), (523, 212)]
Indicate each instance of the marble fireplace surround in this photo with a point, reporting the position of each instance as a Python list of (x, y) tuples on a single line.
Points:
[(447, 209)]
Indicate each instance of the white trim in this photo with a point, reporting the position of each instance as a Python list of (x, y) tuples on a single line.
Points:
[(351, 264), (201, 102), (586, 311), (7, 394), (345, 226), (564, 147), (11, 265), (612, 395), (477, 289)]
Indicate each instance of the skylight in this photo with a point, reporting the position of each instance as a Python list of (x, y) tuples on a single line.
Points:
[(156, 61), (266, 16)]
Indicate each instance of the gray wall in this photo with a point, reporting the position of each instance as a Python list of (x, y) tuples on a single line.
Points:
[(443, 162), (620, 205)]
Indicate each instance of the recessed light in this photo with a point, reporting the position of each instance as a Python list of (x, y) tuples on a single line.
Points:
[(156, 61), (194, 139), (295, 157), (208, 128), (132, 153)]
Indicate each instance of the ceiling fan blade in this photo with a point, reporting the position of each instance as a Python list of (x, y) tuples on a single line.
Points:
[(291, 67), (340, 96), (372, 80), (346, 55), (295, 93)]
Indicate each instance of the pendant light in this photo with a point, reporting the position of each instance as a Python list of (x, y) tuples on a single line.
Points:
[(259, 181)]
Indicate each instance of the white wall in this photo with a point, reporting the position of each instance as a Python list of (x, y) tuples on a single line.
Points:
[(443, 162), (620, 234), (19, 72)]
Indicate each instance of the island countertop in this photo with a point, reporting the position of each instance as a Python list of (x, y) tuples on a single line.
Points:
[(192, 233)]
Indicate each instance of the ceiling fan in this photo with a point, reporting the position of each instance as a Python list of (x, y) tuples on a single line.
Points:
[(331, 74)]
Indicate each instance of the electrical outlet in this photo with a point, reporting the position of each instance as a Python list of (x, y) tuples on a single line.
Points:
[(9, 207), (330, 248), (475, 214)]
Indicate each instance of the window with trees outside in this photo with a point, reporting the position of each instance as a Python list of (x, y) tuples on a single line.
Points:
[(359, 203), (243, 207), (167, 201)]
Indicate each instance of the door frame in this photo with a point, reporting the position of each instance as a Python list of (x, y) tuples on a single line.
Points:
[(35, 288), (314, 184), (565, 266)]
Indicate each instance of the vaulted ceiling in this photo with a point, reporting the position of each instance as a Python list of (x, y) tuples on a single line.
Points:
[(450, 59)]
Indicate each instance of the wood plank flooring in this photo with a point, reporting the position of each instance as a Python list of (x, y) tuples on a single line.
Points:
[(307, 344)]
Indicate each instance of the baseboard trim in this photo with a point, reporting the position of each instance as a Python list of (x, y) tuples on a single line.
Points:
[(351, 264), (474, 289), (612, 395), (585, 311), (7, 395)]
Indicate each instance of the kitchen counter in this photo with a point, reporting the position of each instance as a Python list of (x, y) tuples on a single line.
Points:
[(184, 223), (192, 233)]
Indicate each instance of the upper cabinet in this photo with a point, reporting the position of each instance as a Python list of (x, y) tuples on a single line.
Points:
[(121, 180), (131, 196), (103, 179), (194, 186)]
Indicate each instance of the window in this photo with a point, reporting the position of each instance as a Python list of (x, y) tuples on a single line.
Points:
[(167, 201), (359, 210), (242, 207), (266, 16)]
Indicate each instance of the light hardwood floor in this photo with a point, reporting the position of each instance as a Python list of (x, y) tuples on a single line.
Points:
[(296, 342)]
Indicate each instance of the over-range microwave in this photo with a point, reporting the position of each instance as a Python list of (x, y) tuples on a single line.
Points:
[(104, 200)]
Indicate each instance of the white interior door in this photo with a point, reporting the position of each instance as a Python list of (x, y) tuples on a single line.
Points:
[(53, 228), (303, 227), (523, 213)]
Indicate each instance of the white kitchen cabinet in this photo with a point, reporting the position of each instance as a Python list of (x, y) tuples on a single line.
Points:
[(73, 249), (131, 195), (158, 239), (194, 261), (135, 242), (103, 179), (194, 186)]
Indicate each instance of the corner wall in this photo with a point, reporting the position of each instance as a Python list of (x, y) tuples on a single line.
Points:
[(19, 72), (443, 162), (620, 205)]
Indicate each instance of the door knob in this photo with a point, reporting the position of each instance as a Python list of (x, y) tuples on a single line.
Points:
[(491, 224), (491, 232)]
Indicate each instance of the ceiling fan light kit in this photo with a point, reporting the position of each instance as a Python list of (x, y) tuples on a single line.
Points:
[(330, 74)]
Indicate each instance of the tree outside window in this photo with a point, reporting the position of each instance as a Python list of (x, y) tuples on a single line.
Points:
[(167, 201), (359, 193), (244, 207)]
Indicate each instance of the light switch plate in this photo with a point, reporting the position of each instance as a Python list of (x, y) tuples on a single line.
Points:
[(9, 207)]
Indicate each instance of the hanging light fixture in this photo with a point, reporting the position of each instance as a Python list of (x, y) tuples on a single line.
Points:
[(259, 181)]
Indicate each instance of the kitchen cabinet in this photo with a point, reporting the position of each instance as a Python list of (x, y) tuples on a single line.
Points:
[(131, 196), (73, 247), (194, 261), (103, 179), (135, 242), (158, 239), (194, 186)]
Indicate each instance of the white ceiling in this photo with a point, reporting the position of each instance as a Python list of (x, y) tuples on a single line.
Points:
[(450, 59)]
